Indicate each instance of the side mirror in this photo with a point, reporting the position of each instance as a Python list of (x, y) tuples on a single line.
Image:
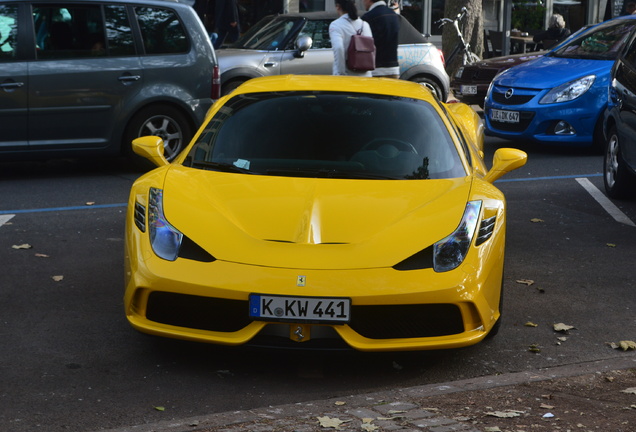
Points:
[(151, 148), (504, 161), (303, 43)]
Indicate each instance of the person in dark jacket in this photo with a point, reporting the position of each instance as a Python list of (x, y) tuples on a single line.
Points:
[(385, 26), (556, 30), (226, 19)]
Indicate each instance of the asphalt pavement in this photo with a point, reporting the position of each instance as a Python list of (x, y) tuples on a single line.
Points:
[(593, 396)]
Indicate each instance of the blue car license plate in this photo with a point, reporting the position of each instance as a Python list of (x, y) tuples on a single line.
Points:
[(504, 116), (300, 309)]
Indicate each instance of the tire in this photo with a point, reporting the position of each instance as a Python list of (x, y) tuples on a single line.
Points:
[(230, 86), (616, 175), (430, 84), (163, 121)]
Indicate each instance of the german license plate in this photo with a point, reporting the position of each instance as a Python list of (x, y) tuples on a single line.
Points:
[(300, 309), (504, 116), (468, 89)]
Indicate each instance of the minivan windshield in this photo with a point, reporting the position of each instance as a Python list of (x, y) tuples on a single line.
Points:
[(603, 42), (328, 134)]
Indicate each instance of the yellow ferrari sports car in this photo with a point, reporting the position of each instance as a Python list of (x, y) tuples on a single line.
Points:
[(321, 212)]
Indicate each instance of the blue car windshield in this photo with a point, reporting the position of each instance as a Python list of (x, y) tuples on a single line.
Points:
[(328, 134), (602, 42)]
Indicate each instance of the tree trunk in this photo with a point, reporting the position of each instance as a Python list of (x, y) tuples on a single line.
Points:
[(471, 27)]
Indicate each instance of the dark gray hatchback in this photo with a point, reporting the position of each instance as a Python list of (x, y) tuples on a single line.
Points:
[(86, 77)]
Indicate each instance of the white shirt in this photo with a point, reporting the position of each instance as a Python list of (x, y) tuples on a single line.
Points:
[(340, 32)]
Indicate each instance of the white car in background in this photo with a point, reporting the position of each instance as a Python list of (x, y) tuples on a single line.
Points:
[(299, 44)]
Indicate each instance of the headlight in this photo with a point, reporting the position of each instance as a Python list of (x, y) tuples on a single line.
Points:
[(164, 238), (568, 91), (459, 72), (450, 252)]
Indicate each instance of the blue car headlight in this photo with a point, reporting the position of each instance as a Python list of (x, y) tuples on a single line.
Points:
[(164, 238), (568, 91), (450, 252)]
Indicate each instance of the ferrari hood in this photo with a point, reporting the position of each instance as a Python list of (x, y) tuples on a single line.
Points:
[(311, 223), (548, 72)]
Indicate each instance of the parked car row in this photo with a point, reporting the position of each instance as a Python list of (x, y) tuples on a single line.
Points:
[(87, 77), (581, 93)]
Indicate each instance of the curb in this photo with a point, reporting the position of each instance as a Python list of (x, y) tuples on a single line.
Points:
[(381, 405)]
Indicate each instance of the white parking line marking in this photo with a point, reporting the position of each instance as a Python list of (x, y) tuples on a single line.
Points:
[(5, 218), (608, 205)]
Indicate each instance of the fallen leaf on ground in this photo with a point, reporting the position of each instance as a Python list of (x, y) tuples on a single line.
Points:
[(627, 345), (546, 406), (531, 324), (525, 281), (631, 390), (562, 338), (505, 414), (41, 255), (22, 246), (612, 245), (534, 348), (492, 429), (90, 203), (340, 403), (368, 426), (57, 278), (328, 422), (160, 408), (535, 220), (560, 327)]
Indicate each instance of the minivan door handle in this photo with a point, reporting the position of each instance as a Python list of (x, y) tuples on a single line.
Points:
[(11, 85), (129, 78)]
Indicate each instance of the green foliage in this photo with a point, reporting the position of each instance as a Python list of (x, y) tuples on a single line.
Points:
[(528, 16)]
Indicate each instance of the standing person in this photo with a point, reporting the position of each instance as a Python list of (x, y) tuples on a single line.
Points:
[(340, 32), (385, 25), (556, 30), (226, 19)]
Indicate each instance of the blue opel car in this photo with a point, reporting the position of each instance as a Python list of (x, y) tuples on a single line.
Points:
[(559, 98)]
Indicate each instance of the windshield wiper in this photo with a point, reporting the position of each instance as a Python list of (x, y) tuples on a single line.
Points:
[(220, 166)]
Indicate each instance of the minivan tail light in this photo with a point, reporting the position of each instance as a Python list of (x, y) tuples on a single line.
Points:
[(216, 83), (441, 54)]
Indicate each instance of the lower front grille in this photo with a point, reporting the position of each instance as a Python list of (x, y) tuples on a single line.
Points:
[(196, 312), (374, 322), (406, 321)]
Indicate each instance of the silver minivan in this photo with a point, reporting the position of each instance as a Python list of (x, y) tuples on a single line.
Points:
[(86, 77)]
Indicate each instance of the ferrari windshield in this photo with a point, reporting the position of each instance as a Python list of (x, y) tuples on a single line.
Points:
[(268, 34), (327, 134), (603, 42)]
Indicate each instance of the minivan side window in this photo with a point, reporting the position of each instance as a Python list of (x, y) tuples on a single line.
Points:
[(8, 32), (161, 31), (81, 30), (118, 31)]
